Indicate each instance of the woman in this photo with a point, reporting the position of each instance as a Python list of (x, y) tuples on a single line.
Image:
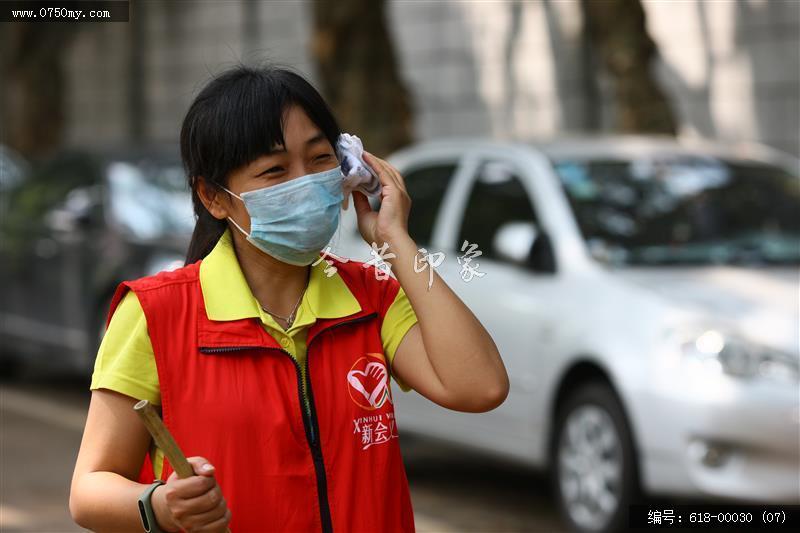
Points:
[(270, 366)]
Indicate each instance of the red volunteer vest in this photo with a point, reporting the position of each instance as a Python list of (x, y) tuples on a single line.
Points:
[(231, 394)]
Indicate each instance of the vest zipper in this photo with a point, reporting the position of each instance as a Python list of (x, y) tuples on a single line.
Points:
[(309, 415), (316, 449)]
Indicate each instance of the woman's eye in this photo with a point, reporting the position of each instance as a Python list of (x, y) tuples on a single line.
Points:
[(274, 169)]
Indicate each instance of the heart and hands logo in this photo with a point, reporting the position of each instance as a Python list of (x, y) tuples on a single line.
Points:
[(368, 382)]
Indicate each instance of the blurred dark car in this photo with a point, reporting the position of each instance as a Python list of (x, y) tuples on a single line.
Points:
[(73, 227)]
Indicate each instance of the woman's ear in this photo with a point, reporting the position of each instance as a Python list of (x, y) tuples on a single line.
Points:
[(212, 200)]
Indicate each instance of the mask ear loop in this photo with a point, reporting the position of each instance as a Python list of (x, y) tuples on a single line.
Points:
[(239, 227), (229, 218), (231, 192)]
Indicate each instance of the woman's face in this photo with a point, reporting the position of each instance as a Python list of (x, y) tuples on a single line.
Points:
[(307, 151)]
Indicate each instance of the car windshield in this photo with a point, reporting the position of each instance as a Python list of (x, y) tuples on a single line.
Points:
[(150, 199), (685, 210)]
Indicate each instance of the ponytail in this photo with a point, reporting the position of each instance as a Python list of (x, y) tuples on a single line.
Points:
[(206, 234)]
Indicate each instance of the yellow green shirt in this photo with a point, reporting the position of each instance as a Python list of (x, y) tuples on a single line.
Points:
[(125, 361)]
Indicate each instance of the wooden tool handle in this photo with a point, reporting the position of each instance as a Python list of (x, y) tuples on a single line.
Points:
[(163, 439)]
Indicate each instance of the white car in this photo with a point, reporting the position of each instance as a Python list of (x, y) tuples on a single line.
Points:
[(643, 293)]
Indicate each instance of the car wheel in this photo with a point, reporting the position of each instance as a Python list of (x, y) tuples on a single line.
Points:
[(593, 465)]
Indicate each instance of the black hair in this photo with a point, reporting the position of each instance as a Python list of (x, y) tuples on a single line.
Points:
[(236, 118)]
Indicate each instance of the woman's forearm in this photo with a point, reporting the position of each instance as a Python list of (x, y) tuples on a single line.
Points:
[(459, 348), (106, 501)]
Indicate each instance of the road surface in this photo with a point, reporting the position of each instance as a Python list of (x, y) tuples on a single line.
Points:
[(42, 420)]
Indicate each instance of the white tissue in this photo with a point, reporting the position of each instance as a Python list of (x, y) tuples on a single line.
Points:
[(357, 174)]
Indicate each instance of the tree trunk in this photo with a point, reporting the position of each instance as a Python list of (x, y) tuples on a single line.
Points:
[(358, 73), (33, 76), (617, 29)]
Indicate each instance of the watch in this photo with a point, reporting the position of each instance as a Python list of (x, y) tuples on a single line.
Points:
[(149, 521)]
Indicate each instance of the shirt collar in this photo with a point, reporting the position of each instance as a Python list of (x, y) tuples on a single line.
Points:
[(227, 295)]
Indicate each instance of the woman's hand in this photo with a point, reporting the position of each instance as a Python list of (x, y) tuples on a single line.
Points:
[(391, 221), (194, 504)]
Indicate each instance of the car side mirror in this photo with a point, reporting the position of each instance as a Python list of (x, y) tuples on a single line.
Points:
[(514, 240), (542, 258), (525, 244)]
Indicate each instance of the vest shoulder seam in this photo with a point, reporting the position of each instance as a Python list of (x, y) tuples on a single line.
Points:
[(148, 285)]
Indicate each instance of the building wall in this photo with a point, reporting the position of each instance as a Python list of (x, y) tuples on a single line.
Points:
[(506, 69), (733, 67)]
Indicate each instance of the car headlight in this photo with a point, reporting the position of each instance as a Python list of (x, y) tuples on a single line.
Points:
[(740, 357)]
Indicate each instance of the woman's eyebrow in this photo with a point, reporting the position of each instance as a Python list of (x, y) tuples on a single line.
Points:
[(313, 140)]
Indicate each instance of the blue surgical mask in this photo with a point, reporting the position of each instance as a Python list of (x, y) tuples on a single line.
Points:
[(294, 220)]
